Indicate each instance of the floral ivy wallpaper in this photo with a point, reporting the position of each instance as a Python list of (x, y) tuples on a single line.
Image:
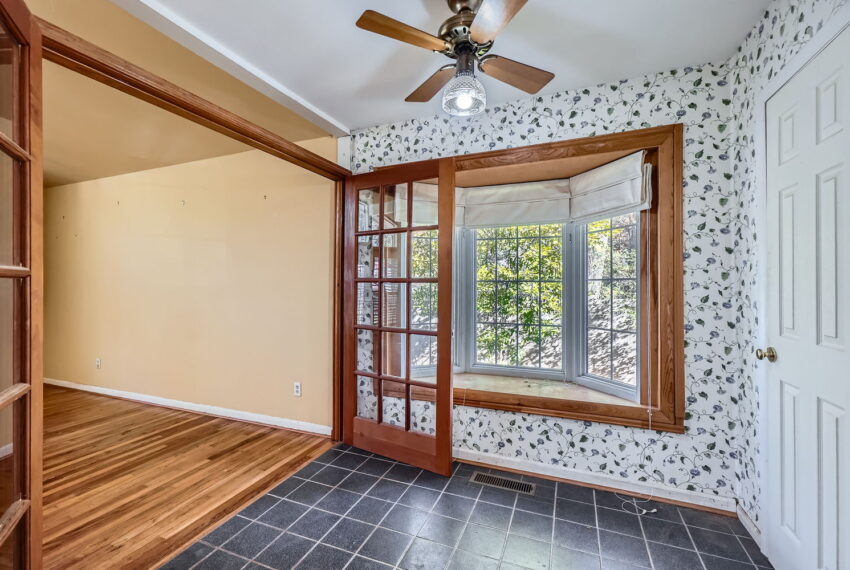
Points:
[(718, 454), (783, 29)]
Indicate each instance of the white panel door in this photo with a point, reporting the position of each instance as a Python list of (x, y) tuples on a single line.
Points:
[(808, 318)]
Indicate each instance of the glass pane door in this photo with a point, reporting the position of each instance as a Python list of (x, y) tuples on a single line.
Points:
[(397, 398), (20, 172)]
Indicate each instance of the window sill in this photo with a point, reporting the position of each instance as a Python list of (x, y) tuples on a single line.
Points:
[(556, 399)]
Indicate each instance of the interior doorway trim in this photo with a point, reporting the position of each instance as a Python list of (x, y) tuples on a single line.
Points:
[(75, 53), (838, 22)]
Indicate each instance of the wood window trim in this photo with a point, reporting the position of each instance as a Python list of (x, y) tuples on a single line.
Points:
[(662, 291)]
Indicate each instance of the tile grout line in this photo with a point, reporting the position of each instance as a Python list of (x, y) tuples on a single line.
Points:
[(747, 552), (598, 533), (342, 516), (378, 524), (442, 492), (645, 541), (690, 536)]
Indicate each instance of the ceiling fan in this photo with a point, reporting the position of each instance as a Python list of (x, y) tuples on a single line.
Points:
[(466, 37)]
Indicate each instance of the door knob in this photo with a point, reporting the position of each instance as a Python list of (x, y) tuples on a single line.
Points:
[(769, 353)]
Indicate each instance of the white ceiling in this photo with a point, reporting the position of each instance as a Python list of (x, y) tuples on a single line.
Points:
[(309, 56)]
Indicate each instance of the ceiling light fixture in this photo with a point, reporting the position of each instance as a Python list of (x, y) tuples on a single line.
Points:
[(464, 95)]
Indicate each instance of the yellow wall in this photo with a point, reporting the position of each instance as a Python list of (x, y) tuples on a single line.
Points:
[(208, 282)]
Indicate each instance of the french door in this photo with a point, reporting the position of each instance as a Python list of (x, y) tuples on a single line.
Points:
[(397, 389), (20, 287)]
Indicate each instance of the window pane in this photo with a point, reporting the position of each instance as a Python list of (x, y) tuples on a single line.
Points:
[(395, 206), (599, 353), (424, 204), (7, 210), (624, 252), (485, 303), (519, 288), (629, 219), (394, 305), (423, 297), (423, 409), (367, 304), (423, 352), (485, 350), (394, 354), (551, 348), (395, 409), (529, 346), (598, 255), (599, 304), (367, 256), (9, 66), (529, 303), (551, 259), (506, 295), (7, 333), (368, 209), (612, 303), (424, 258), (625, 305), (506, 259), (507, 349), (551, 303), (625, 358), (367, 400), (528, 259), (599, 225), (8, 459), (366, 351), (485, 259), (394, 255)]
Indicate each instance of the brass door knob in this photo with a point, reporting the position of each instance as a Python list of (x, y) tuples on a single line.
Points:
[(769, 353)]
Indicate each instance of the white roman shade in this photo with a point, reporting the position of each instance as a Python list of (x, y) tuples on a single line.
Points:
[(621, 186), (615, 188), (514, 204), (612, 189)]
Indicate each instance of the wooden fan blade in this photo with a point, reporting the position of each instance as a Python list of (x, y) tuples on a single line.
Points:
[(386, 26), (529, 79), (492, 16), (432, 85)]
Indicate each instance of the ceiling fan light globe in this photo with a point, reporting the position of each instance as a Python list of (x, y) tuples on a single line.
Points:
[(464, 96)]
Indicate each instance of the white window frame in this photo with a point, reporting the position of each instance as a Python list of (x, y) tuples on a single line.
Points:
[(574, 317)]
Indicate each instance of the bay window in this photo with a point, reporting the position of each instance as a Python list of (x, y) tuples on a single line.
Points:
[(552, 301)]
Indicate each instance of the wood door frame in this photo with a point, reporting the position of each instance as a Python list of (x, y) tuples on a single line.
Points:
[(77, 54)]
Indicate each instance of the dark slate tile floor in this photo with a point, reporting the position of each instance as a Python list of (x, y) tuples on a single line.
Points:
[(356, 510)]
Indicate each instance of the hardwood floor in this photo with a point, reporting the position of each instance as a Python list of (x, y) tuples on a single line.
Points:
[(126, 485)]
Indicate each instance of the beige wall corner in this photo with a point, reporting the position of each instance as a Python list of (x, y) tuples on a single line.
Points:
[(208, 282)]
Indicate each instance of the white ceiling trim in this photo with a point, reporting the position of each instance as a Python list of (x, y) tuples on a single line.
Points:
[(153, 13)]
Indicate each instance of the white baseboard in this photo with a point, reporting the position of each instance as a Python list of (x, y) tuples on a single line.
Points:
[(200, 408), (669, 493), (751, 527)]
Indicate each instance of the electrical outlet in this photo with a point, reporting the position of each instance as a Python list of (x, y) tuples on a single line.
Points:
[(97, 363), (297, 389)]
